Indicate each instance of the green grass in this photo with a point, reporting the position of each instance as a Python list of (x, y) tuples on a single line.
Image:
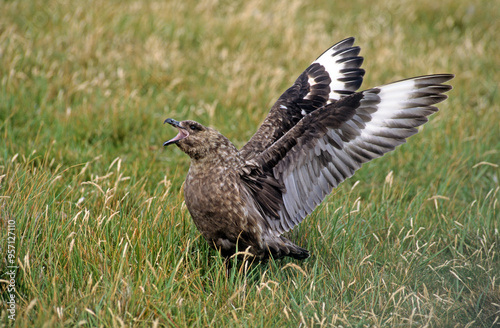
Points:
[(103, 237)]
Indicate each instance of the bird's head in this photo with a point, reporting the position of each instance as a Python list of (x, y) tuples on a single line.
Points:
[(197, 140)]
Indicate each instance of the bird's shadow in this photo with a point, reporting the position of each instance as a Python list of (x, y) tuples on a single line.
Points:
[(245, 269)]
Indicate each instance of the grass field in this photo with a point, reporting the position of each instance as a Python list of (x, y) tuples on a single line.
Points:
[(102, 236)]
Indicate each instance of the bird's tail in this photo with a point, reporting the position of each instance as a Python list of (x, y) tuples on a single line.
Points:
[(284, 247)]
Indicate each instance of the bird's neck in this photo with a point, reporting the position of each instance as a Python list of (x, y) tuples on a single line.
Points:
[(223, 157)]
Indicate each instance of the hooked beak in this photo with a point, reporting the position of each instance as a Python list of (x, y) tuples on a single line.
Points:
[(182, 131)]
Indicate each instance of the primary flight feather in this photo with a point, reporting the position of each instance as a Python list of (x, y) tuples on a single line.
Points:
[(316, 135)]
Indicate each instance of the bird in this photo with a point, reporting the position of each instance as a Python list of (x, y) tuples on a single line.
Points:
[(315, 136)]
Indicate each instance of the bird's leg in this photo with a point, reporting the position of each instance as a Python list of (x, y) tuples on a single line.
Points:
[(228, 264)]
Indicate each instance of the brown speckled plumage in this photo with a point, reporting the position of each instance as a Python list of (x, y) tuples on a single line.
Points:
[(318, 133)]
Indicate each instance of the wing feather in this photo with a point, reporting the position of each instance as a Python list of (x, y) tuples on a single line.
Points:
[(329, 144), (334, 74)]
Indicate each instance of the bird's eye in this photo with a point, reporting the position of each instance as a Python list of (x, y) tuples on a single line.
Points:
[(193, 127)]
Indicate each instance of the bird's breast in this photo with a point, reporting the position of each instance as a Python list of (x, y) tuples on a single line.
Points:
[(223, 209), (214, 198)]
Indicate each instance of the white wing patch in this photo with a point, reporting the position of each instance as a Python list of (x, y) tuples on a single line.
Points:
[(343, 64), (393, 98), (333, 68)]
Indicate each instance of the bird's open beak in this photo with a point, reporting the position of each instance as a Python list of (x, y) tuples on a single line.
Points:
[(182, 131)]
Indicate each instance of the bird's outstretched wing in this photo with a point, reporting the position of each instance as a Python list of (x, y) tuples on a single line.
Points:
[(336, 73), (328, 145)]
